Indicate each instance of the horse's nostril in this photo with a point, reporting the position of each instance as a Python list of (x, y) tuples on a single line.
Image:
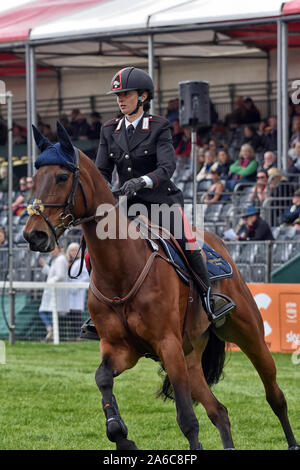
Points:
[(38, 240)]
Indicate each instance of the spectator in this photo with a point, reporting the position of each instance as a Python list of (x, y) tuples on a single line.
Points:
[(184, 148), (28, 196), (244, 169), (47, 132), (19, 206), (253, 227), (19, 135), (209, 161), (269, 160), (95, 128), (80, 128), (3, 131), (237, 116), (64, 120), (261, 129), (293, 212), (224, 162), (269, 140), (76, 296), (177, 133), (3, 254), (57, 271), (251, 137), (251, 113), (172, 110), (294, 162), (295, 137), (3, 179), (215, 190), (259, 190)]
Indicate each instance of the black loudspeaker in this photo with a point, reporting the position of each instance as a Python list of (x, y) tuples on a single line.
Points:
[(194, 105)]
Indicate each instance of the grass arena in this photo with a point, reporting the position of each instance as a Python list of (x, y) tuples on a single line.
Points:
[(49, 401)]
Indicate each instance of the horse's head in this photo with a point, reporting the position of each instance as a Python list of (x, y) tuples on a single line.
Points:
[(55, 183)]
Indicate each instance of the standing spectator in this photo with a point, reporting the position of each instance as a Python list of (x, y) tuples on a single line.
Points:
[(251, 113), (80, 128), (64, 120), (269, 140), (172, 110), (56, 271), (293, 212), (47, 132), (3, 179), (76, 296), (95, 128), (295, 137), (184, 148), (177, 133), (19, 136), (244, 169)]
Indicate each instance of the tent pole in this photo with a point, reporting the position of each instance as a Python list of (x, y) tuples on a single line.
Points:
[(285, 102), (151, 65), (28, 110), (279, 95), (33, 101)]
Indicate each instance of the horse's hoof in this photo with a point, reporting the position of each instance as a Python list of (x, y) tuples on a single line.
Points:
[(295, 447)]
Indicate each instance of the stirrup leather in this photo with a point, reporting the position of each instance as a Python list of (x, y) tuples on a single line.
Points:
[(88, 331), (227, 306)]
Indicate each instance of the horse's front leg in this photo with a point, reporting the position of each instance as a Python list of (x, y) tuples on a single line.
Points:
[(116, 429), (173, 359)]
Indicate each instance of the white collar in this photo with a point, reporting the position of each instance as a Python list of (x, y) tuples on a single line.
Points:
[(134, 123)]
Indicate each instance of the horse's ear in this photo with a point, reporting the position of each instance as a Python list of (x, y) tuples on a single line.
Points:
[(64, 139), (41, 141)]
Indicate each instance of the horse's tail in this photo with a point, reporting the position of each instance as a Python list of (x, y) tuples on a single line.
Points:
[(213, 359)]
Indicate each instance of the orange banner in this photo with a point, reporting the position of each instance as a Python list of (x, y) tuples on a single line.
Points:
[(279, 305)]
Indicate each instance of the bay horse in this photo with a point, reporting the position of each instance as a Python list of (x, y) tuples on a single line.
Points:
[(140, 306)]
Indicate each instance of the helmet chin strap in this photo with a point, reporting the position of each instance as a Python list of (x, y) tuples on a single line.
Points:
[(139, 104)]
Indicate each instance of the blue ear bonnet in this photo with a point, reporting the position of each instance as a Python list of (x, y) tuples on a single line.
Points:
[(62, 153), (54, 155)]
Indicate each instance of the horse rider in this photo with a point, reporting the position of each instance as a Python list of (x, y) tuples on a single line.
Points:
[(140, 145)]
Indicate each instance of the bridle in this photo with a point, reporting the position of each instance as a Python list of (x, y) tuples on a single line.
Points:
[(67, 218)]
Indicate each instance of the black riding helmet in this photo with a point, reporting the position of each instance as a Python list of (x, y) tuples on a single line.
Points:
[(132, 78)]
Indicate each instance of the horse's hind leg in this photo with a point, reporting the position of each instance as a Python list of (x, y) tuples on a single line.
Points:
[(201, 392), (116, 429)]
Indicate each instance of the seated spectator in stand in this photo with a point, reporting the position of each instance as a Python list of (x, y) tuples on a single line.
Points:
[(261, 129), (19, 135), (295, 137), (244, 169), (269, 160), (177, 133), (293, 212), (259, 190), (80, 128), (251, 137), (3, 179), (253, 227), (224, 162), (3, 131), (94, 132), (209, 162), (294, 162), (173, 110), (19, 205), (29, 194), (216, 188), (251, 113), (269, 140), (213, 147)]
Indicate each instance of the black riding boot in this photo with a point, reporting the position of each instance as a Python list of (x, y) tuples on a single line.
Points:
[(216, 308)]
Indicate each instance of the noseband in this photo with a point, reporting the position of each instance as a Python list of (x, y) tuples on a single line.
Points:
[(38, 207)]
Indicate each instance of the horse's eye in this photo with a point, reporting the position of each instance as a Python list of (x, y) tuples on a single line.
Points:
[(62, 178)]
